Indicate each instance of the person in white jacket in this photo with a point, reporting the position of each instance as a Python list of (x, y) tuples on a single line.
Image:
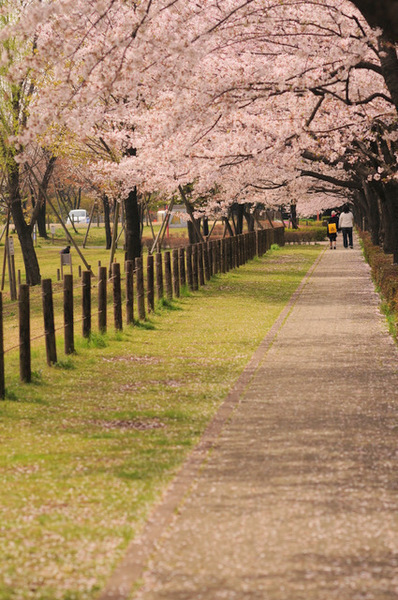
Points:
[(346, 223)]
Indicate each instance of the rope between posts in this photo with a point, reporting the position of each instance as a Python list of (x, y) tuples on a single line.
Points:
[(12, 348)]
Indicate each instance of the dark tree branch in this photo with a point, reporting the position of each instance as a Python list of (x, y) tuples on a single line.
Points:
[(351, 185)]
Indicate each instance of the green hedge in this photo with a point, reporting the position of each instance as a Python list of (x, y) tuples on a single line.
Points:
[(384, 272), (314, 233)]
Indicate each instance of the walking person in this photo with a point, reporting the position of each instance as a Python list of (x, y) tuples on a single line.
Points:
[(346, 223), (332, 226)]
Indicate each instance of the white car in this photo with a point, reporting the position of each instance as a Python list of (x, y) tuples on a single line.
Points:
[(77, 216)]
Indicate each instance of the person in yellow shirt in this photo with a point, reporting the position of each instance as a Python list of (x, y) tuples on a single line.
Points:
[(332, 229)]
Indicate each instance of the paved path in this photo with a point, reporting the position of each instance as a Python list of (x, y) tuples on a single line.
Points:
[(298, 498)]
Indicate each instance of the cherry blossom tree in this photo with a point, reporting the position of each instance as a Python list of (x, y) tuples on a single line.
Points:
[(262, 101), (17, 88)]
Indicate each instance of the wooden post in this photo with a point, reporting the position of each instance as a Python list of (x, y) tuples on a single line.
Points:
[(229, 256), (102, 299), (201, 248), (129, 292), (195, 267), (210, 255), (48, 314), (86, 303), (24, 334), (206, 261), (68, 315), (117, 297), (14, 280), (214, 257), (189, 267), (225, 256), (181, 261), (159, 276), (223, 253), (167, 275), (271, 238), (176, 275), (139, 273), (2, 375), (150, 283), (239, 240), (218, 256), (242, 249)]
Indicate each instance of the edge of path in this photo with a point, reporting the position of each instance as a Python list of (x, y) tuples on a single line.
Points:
[(130, 570)]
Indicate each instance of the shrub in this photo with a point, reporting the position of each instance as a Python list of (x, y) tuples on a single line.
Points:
[(306, 234), (385, 274)]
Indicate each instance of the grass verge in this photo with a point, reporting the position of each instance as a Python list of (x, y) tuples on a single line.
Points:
[(88, 447)]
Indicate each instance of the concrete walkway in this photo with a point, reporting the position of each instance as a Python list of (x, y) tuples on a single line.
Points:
[(298, 498)]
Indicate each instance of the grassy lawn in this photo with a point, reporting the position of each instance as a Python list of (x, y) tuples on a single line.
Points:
[(88, 447)]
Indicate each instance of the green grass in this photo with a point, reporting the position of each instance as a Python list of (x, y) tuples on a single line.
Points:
[(89, 446)]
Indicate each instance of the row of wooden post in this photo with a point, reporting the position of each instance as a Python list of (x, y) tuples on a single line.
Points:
[(165, 275)]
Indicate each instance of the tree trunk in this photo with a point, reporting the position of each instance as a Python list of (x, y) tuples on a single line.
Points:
[(228, 227), (249, 218), (192, 232), (389, 219), (133, 226), (41, 221), (293, 216), (237, 211), (381, 13), (23, 230), (372, 213), (40, 216), (389, 66), (107, 221)]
